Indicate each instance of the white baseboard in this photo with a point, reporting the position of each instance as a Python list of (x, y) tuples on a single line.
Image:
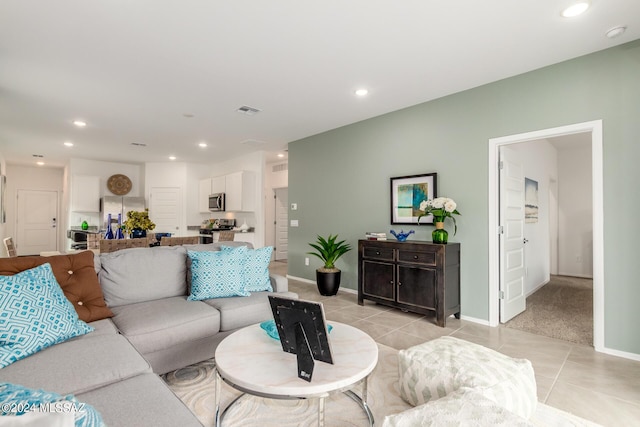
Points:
[(528, 294), (300, 279), (581, 276), (475, 320), (618, 353), (313, 282)]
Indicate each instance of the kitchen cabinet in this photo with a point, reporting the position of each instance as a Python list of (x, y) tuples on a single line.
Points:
[(240, 192), (204, 190), (218, 184), (416, 276), (85, 193)]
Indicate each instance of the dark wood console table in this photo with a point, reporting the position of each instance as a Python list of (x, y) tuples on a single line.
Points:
[(421, 277)]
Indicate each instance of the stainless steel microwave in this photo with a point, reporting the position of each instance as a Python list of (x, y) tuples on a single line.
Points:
[(216, 202)]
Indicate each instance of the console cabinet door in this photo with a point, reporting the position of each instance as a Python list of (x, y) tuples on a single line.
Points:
[(378, 280), (417, 286)]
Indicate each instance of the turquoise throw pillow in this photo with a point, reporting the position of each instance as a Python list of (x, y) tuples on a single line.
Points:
[(255, 270), (216, 274), (34, 314), (18, 400)]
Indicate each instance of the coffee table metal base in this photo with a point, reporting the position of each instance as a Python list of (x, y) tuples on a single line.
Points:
[(361, 401)]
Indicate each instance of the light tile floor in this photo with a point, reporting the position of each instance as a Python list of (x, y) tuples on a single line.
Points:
[(601, 388)]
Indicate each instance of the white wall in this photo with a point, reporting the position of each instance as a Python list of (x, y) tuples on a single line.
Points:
[(135, 172), (253, 162), (541, 165), (21, 177), (186, 177), (3, 234), (575, 215), (273, 180)]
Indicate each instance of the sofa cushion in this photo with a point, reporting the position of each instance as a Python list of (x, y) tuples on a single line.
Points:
[(34, 314), (159, 324), (238, 312), (144, 400), (143, 274), (436, 368), (217, 274), (463, 407), (255, 268), (75, 274), (27, 399), (78, 365)]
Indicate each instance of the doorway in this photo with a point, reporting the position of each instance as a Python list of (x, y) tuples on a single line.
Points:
[(165, 209), (594, 128), (36, 222), (281, 223)]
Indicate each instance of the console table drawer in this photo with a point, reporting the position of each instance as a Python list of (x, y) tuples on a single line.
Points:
[(427, 258), (378, 253)]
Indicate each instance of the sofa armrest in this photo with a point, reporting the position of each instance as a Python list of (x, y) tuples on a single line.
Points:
[(279, 283)]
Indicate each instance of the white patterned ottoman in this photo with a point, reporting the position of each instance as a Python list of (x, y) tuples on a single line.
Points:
[(437, 368), (467, 407)]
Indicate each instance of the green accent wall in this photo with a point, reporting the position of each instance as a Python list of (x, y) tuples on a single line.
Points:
[(340, 178)]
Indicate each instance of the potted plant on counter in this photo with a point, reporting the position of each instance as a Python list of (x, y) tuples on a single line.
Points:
[(329, 251), (138, 223)]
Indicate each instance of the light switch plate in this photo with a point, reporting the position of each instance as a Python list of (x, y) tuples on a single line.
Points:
[(294, 206), (294, 222)]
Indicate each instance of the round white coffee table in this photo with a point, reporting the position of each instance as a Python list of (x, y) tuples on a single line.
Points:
[(252, 362)]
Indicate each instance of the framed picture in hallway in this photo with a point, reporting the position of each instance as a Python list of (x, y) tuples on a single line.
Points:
[(407, 192), (530, 201)]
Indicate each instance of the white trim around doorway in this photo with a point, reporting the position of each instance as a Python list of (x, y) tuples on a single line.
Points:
[(595, 128)]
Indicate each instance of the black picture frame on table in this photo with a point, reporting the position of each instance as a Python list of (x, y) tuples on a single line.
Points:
[(407, 192)]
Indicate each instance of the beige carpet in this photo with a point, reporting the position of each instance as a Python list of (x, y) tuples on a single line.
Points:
[(195, 386), (562, 309)]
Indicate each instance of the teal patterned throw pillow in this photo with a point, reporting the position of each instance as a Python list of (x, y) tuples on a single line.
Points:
[(217, 274), (255, 271), (34, 314), (16, 400)]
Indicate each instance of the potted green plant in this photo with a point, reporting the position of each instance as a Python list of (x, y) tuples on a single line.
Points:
[(329, 251), (138, 223)]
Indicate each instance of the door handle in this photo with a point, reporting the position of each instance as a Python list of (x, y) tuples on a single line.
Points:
[(53, 224), (525, 240)]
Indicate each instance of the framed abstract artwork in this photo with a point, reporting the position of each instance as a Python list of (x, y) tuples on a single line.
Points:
[(407, 192)]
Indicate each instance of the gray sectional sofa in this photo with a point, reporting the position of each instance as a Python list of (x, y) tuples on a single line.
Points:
[(154, 330)]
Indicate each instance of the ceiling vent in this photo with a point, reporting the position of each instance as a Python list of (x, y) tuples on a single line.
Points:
[(138, 144), (249, 111)]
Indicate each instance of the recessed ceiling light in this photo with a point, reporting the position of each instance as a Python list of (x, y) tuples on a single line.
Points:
[(616, 31), (40, 163), (575, 9), (281, 155), (80, 123), (362, 92), (172, 157), (68, 144), (202, 144)]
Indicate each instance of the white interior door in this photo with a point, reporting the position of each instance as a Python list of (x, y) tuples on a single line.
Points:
[(512, 296), (37, 222), (282, 219), (165, 209)]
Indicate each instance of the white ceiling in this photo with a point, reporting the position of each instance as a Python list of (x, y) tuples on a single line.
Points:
[(132, 69)]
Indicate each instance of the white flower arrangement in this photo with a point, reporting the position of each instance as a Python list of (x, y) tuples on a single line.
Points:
[(441, 208)]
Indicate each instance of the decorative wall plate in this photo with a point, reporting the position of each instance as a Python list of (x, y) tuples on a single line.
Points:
[(119, 184)]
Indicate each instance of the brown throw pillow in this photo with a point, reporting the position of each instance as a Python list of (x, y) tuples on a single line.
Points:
[(77, 277)]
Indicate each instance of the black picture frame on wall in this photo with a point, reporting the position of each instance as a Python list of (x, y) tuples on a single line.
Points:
[(407, 192)]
